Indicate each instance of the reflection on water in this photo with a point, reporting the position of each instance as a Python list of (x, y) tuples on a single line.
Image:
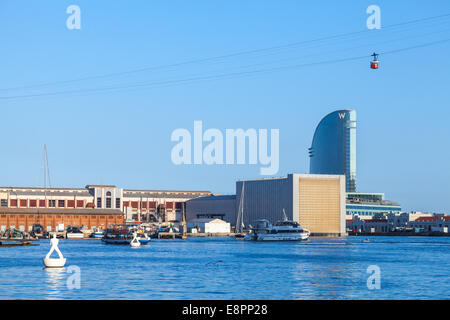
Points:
[(222, 268), (55, 280), (326, 280)]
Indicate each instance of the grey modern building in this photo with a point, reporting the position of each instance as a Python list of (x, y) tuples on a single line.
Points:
[(333, 149)]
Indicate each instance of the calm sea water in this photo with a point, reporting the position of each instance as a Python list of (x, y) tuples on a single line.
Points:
[(223, 268)]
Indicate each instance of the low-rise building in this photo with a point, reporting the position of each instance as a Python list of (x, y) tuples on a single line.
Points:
[(369, 205), (216, 206), (368, 225), (439, 223), (94, 205), (51, 218), (205, 225), (399, 222)]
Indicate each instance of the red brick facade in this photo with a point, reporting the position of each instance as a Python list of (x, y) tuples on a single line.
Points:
[(89, 219)]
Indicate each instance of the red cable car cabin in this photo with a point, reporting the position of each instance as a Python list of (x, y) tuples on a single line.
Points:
[(374, 62)]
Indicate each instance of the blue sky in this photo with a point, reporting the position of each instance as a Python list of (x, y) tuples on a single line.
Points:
[(122, 137)]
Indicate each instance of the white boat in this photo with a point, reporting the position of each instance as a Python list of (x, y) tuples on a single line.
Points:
[(280, 231), (97, 234), (74, 233), (117, 234)]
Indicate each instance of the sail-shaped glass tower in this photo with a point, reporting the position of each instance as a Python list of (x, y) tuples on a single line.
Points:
[(333, 149)]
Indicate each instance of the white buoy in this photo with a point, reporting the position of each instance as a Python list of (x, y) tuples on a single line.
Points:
[(135, 243), (54, 262)]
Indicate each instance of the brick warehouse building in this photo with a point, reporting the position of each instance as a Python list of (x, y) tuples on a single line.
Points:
[(92, 206), (25, 218)]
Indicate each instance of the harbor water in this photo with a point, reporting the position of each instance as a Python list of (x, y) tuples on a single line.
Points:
[(228, 268)]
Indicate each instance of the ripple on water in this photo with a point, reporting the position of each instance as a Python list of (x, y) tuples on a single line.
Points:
[(222, 268)]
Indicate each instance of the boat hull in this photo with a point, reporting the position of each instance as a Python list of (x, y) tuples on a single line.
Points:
[(282, 237), (116, 241), (75, 235), (277, 237)]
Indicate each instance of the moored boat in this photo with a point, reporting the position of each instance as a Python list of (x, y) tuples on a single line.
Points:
[(143, 238), (280, 231), (74, 233), (117, 234), (97, 234)]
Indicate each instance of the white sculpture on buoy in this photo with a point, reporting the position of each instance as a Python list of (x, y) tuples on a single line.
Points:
[(135, 243), (54, 262)]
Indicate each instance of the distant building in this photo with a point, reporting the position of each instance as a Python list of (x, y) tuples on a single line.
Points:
[(148, 205), (317, 202), (23, 219), (333, 149), (212, 207), (205, 225), (435, 223), (402, 221), (369, 205), (94, 205), (368, 225)]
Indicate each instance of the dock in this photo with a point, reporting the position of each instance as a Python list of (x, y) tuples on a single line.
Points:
[(211, 234), (178, 235), (170, 235), (404, 234), (17, 242)]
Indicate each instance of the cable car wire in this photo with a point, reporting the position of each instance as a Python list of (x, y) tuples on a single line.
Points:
[(220, 76), (226, 56)]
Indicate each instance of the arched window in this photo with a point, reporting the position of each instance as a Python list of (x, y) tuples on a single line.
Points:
[(108, 199)]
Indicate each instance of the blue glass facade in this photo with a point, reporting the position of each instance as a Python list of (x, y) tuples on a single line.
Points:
[(333, 149), (371, 209), (370, 204)]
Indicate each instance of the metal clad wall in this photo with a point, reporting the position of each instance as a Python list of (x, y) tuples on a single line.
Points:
[(212, 205), (265, 199)]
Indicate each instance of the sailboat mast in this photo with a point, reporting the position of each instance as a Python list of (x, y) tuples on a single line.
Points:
[(285, 218), (45, 174), (240, 221), (242, 211)]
